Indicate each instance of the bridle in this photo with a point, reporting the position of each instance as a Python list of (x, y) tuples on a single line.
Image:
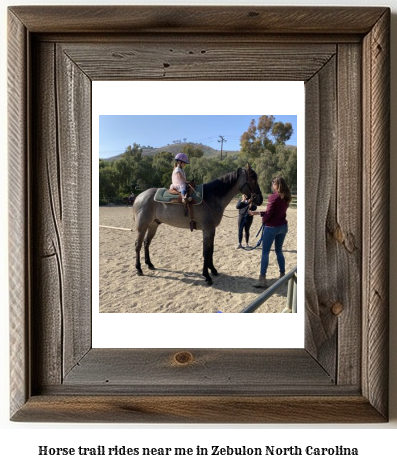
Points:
[(248, 181)]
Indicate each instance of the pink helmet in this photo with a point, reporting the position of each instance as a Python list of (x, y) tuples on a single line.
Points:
[(182, 157)]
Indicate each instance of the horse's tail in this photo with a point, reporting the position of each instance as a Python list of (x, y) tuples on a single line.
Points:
[(133, 216), (135, 210)]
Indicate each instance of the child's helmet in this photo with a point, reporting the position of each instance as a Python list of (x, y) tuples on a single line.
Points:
[(182, 157)]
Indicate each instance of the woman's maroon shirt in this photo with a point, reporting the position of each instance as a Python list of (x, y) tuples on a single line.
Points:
[(276, 211)]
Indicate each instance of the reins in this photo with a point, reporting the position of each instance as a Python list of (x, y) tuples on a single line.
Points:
[(259, 241), (209, 207), (203, 200), (253, 195)]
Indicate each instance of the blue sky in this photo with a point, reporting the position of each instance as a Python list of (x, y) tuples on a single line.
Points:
[(116, 132)]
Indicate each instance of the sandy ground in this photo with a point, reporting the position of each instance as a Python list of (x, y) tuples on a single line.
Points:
[(182, 288)]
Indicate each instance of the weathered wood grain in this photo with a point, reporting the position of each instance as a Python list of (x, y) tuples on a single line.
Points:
[(18, 223), (62, 203), (334, 216), (246, 369), (182, 59), (198, 19), (338, 378), (47, 260), (193, 38), (73, 89), (347, 224), (320, 174), (376, 149), (199, 409)]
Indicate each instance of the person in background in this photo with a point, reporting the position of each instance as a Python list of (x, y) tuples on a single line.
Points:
[(275, 227), (131, 199), (244, 219)]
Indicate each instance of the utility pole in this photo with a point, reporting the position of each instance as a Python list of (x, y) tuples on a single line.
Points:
[(222, 141)]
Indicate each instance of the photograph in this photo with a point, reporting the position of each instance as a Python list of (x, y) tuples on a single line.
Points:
[(197, 213)]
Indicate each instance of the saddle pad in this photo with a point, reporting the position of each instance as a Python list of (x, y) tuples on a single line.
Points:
[(164, 196)]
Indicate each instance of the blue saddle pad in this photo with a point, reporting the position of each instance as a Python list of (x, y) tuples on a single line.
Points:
[(164, 196)]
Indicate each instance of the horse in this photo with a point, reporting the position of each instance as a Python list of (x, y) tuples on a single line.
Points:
[(217, 194)]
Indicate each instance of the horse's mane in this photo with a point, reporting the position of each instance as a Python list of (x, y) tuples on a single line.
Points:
[(221, 185)]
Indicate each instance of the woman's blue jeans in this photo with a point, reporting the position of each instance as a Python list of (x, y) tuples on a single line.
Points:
[(276, 235)]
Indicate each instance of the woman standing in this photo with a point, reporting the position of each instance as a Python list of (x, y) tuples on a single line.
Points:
[(276, 227), (244, 219)]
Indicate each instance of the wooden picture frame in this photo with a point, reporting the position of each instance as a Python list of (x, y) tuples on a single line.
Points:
[(342, 54)]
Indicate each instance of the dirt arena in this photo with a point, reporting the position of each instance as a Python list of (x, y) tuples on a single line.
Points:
[(179, 287)]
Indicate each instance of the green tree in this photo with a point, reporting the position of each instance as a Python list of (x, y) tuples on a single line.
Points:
[(108, 180), (162, 167), (129, 169), (282, 132), (283, 163), (263, 146), (266, 135), (192, 151), (249, 142), (198, 169), (266, 168), (265, 127), (291, 169)]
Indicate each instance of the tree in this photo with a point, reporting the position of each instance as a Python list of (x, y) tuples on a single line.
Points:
[(283, 162), (265, 126), (192, 151), (117, 178), (266, 135), (282, 132), (163, 166), (250, 143), (291, 169), (108, 181), (130, 169), (266, 168)]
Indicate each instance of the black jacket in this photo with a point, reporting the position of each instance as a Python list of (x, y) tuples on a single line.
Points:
[(242, 207)]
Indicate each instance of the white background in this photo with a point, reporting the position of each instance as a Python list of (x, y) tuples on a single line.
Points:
[(243, 331), (19, 442)]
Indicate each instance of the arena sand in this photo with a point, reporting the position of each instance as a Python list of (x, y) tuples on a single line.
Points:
[(177, 286)]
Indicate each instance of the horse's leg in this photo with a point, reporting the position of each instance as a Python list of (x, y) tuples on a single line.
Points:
[(208, 248), (151, 232), (214, 271), (138, 246)]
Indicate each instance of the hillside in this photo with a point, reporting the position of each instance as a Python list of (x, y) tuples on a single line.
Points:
[(175, 148)]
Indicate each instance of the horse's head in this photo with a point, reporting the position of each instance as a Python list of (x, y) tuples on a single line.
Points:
[(250, 186)]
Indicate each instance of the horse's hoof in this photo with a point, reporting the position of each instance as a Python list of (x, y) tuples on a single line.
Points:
[(139, 272), (214, 272), (151, 267)]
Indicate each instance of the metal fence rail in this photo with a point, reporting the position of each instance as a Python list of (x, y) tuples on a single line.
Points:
[(291, 306)]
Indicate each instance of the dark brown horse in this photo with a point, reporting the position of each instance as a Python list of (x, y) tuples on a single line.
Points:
[(217, 194)]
